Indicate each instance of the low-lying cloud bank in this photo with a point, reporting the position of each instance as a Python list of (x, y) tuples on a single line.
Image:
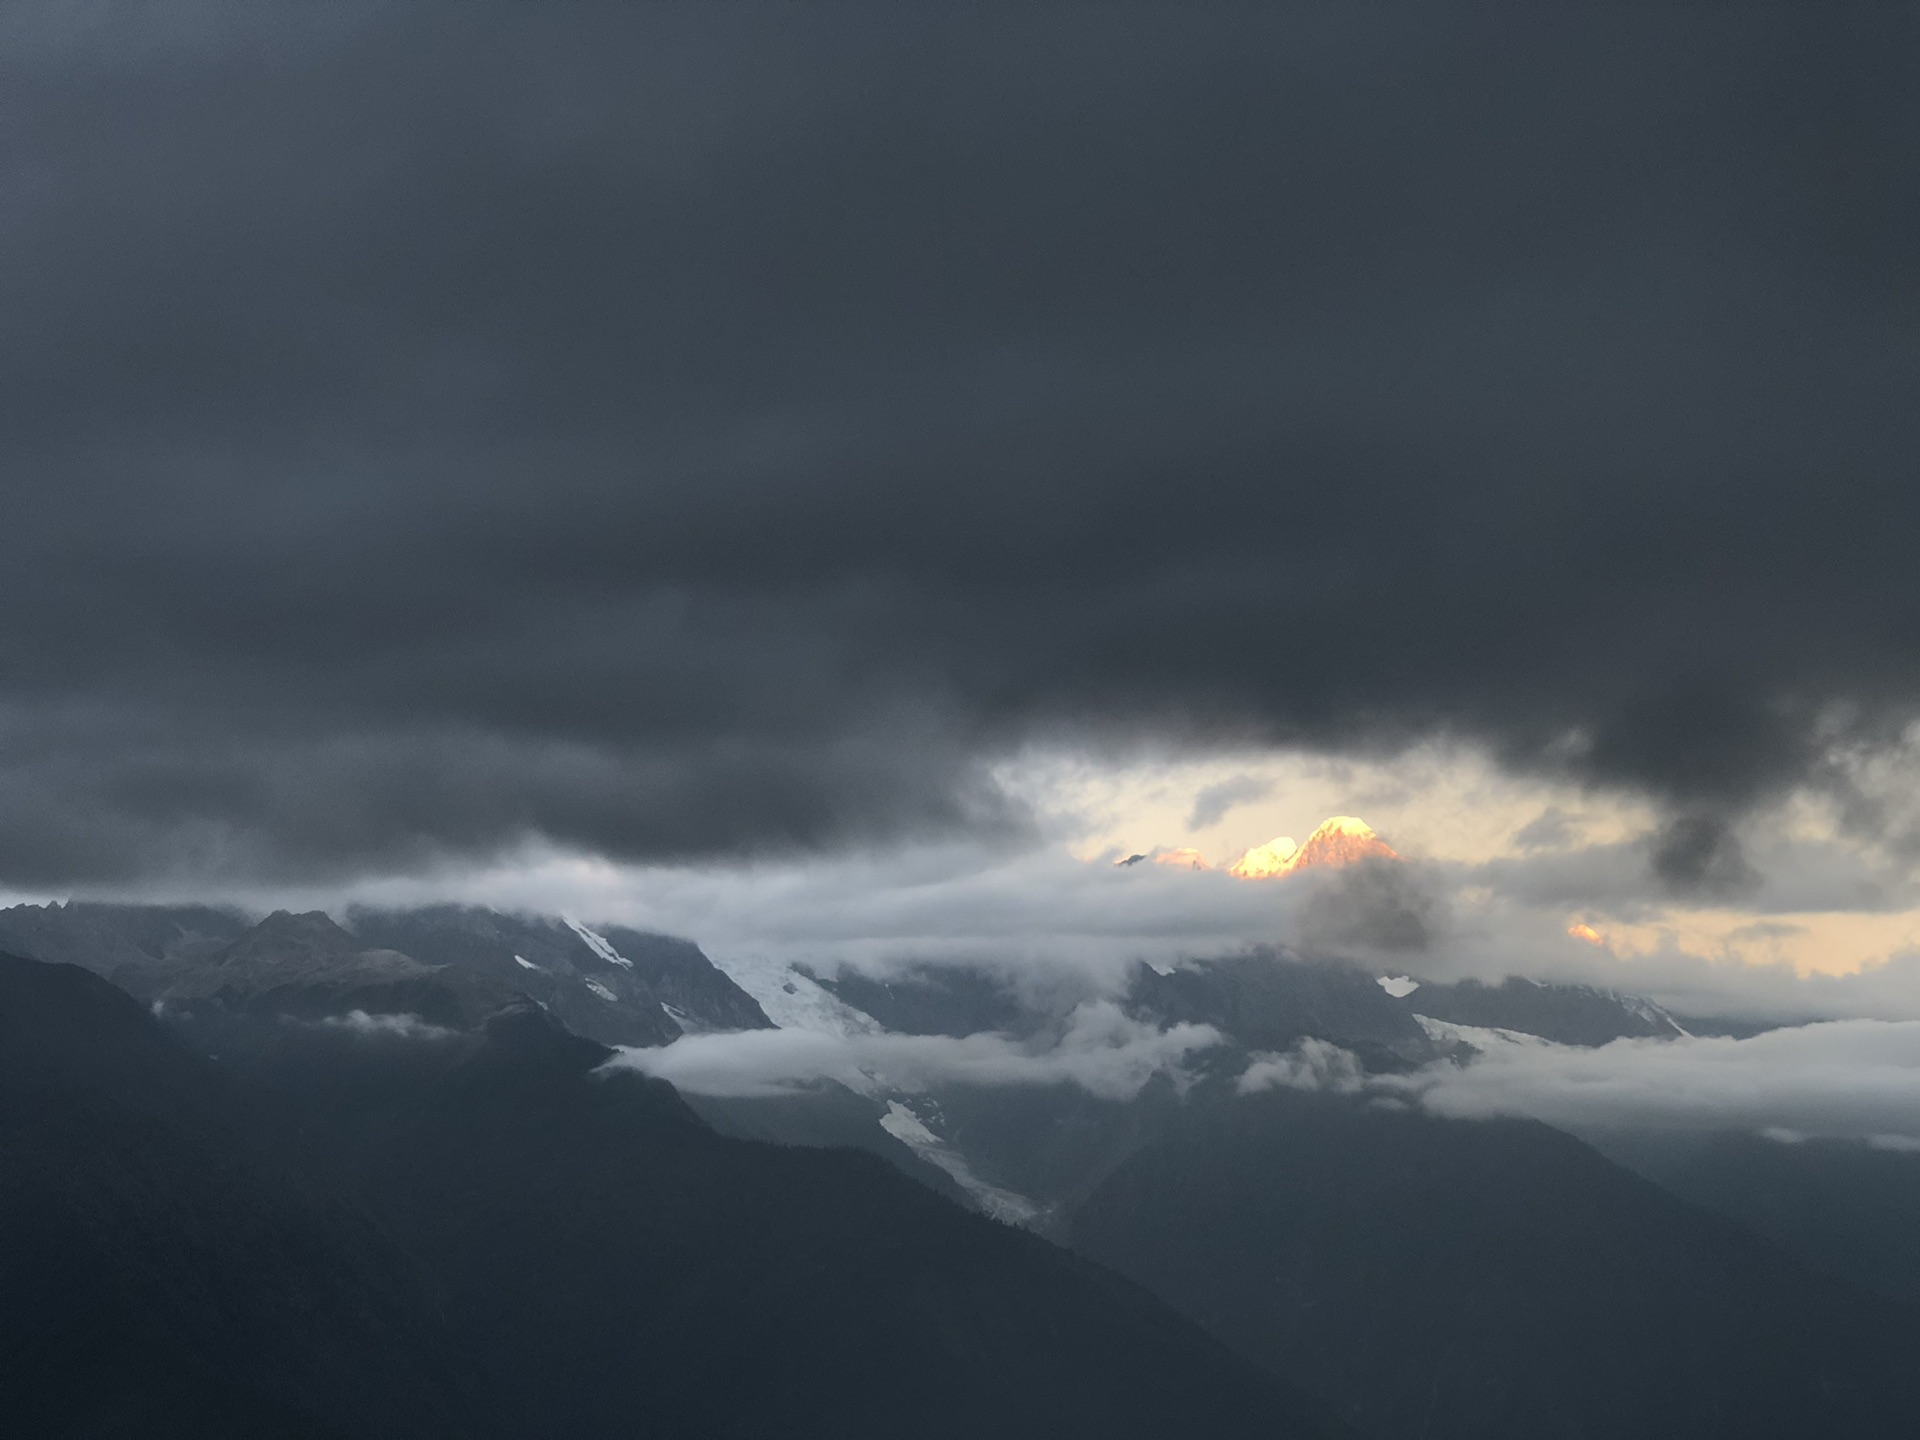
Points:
[(1101, 1050), (1848, 1079)]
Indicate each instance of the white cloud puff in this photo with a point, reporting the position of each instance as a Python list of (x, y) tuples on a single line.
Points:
[(1310, 1065)]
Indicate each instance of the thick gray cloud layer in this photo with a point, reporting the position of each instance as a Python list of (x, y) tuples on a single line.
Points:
[(684, 431)]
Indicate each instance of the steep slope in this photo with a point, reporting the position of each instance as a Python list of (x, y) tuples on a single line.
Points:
[(619, 986), (1568, 1014), (590, 1226), (451, 965), (828, 1114), (1491, 1279), (1842, 1206), (346, 1233), (698, 994), (932, 1000), (164, 1272)]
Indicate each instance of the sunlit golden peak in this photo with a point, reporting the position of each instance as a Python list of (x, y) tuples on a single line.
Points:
[(1580, 930), (1345, 825), (1341, 840), (1276, 857)]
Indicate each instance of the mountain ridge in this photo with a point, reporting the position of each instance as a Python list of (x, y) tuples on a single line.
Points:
[(568, 1251)]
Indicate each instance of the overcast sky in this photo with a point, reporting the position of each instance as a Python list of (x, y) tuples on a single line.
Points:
[(446, 443)]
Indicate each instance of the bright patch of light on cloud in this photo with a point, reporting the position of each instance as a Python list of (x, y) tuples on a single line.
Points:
[(1439, 802), (1821, 943), (1506, 871)]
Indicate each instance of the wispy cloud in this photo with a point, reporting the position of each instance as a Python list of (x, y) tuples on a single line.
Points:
[(396, 1027), (1310, 1065), (1101, 1050), (1213, 802), (1855, 1079)]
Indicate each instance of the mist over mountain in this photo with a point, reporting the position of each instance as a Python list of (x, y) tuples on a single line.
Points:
[(480, 1235), (437, 1126), (686, 693), (1567, 1014), (448, 965)]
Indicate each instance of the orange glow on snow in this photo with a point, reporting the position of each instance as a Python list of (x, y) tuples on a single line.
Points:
[(1264, 862), (1580, 930), (1184, 858), (1339, 841)]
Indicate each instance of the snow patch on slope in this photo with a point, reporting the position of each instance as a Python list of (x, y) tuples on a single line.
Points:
[(597, 943), (1647, 1010), (794, 1002), (910, 1130), (1481, 1037)]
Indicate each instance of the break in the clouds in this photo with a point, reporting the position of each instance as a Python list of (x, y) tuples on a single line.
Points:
[(690, 431)]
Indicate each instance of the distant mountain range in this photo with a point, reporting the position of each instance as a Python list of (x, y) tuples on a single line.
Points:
[(1338, 841), (406, 1198), (449, 965)]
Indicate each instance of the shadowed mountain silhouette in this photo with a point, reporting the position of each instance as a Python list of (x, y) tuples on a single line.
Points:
[(165, 1271), (336, 1233), (451, 965), (1490, 1279)]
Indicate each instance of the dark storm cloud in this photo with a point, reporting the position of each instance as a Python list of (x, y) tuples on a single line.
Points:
[(1379, 904), (676, 431), (1698, 855)]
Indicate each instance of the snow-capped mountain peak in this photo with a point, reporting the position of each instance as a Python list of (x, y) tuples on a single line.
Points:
[(1340, 840)]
